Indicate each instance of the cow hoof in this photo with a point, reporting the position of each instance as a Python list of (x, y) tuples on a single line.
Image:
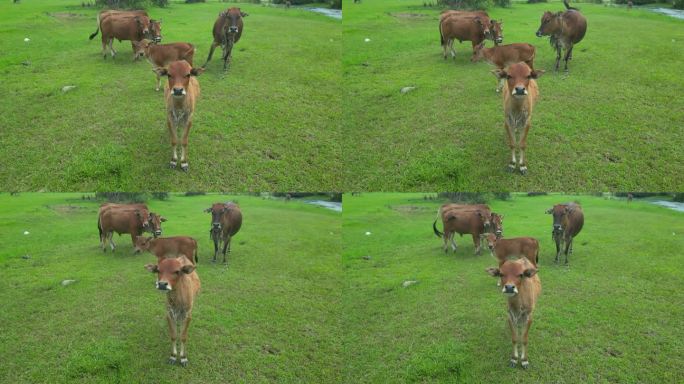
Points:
[(511, 167), (525, 364), (172, 164), (513, 363), (184, 361), (184, 167), (171, 360), (156, 89), (523, 170)]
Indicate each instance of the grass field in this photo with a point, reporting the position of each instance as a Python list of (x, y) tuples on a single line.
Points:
[(272, 123), (613, 316), (615, 123), (272, 315)]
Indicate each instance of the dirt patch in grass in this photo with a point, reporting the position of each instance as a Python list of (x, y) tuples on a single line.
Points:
[(409, 16), (67, 15), (67, 209), (410, 209)]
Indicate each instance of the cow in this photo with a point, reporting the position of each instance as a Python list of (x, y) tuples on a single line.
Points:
[(161, 55), (178, 278), (168, 247), (227, 31), (155, 25), (288, 4), (474, 221), (629, 197), (226, 220), (181, 94), (493, 29), (504, 249), (120, 27), (153, 224), (520, 92), (132, 221), (503, 56), (630, 4), (568, 220), (522, 286), (565, 28), (462, 29)]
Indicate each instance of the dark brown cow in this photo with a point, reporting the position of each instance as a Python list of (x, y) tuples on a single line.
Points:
[(520, 93), (155, 25), (493, 221), (178, 278), (493, 29), (461, 29), (132, 221), (503, 56), (121, 27), (522, 286), (161, 55), (227, 31), (465, 221), (226, 220), (168, 247), (565, 28), (152, 225), (568, 220), (504, 249), (181, 94)]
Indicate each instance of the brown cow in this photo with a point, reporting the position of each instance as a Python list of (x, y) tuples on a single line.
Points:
[(504, 55), (178, 278), (522, 286), (520, 93), (152, 225), (133, 28), (565, 28), (568, 220), (181, 94), (462, 29), (226, 220), (227, 31), (132, 221), (493, 29), (155, 25), (168, 247), (466, 221), (504, 249), (161, 55)]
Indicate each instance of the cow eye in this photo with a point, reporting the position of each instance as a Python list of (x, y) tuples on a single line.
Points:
[(188, 75)]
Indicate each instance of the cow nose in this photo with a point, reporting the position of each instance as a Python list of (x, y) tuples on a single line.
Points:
[(519, 90), (498, 233), (157, 39), (178, 91), (162, 285), (509, 288), (233, 29), (556, 227), (539, 34), (157, 233), (499, 40)]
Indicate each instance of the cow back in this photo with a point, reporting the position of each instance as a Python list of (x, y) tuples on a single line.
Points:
[(232, 220), (574, 26), (574, 221)]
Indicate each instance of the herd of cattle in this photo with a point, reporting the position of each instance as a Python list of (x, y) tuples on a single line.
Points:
[(514, 62), (517, 258), (171, 60), (176, 256)]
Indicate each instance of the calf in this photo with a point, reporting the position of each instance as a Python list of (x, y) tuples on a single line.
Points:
[(520, 92), (464, 221), (461, 29), (565, 28), (522, 286), (227, 32), (168, 247), (178, 278), (504, 249), (226, 221), (122, 27), (161, 55), (126, 218), (568, 220), (503, 56), (180, 93), (493, 29)]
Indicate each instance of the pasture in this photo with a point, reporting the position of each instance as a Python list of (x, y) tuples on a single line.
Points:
[(271, 315), (614, 123), (614, 315), (270, 123)]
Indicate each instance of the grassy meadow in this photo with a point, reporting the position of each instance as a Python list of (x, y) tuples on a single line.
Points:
[(271, 315), (614, 123), (270, 123), (614, 315)]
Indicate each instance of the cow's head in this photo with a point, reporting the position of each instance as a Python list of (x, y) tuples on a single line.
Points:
[(142, 47), (233, 16), (497, 224), (559, 212), (512, 274), (491, 240), (143, 24), (217, 210), (168, 272), (179, 73), (549, 24), (485, 218), (518, 77), (155, 30), (155, 221), (496, 31), (484, 27), (142, 243), (143, 217)]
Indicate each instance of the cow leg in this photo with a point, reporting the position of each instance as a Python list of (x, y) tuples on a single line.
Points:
[(133, 236), (446, 241), (568, 56), (111, 241), (513, 327), (558, 56), (226, 248), (523, 356), (568, 245), (135, 57), (111, 47), (172, 335), (184, 145), (104, 47), (472, 58), (158, 79), (452, 238), (174, 141), (511, 145), (214, 44), (184, 340), (216, 248), (227, 52), (476, 243), (558, 247), (451, 48), (523, 145)]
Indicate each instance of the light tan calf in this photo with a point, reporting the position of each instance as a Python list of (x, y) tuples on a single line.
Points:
[(161, 55), (504, 55)]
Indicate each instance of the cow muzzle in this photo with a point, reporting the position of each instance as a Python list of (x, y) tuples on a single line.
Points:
[(539, 33), (519, 91), (499, 40), (157, 233), (216, 226), (557, 228), (498, 233), (179, 92), (163, 286), (509, 290), (233, 29), (157, 39)]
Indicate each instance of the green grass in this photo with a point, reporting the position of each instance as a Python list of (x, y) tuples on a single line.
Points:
[(615, 123), (613, 316), (272, 123), (272, 315)]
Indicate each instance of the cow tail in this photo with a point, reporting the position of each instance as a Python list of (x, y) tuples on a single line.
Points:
[(92, 36), (567, 6), (441, 35), (536, 257), (99, 227), (196, 259), (434, 228)]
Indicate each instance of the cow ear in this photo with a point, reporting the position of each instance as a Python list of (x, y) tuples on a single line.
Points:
[(152, 268), (162, 219), (197, 71), (244, 14), (137, 213), (477, 19), (493, 271), (549, 211), (501, 216), (207, 210), (161, 71), (187, 269), (499, 73), (537, 73), (529, 272)]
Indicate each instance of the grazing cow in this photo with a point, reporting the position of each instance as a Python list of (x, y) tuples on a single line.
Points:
[(461, 29), (181, 94), (226, 220), (522, 286), (161, 55), (568, 220), (121, 27), (178, 278), (168, 247), (152, 225), (565, 28), (503, 56), (227, 31), (155, 25), (504, 249), (474, 221), (132, 221), (520, 93), (493, 29)]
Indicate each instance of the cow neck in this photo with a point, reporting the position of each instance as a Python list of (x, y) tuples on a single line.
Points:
[(522, 302), (181, 295)]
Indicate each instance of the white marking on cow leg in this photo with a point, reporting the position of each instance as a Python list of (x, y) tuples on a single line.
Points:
[(111, 241)]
